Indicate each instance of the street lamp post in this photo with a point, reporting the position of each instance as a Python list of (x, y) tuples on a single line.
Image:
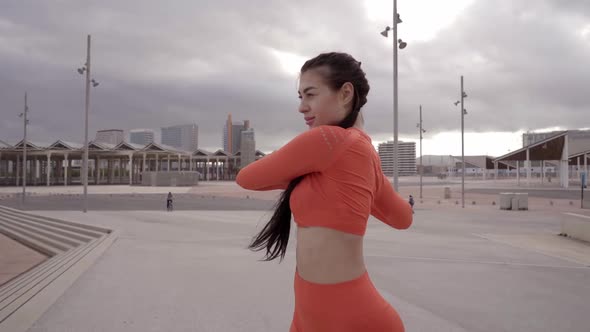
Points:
[(419, 125), (401, 44), (81, 71), (463, 113), (25, 123)]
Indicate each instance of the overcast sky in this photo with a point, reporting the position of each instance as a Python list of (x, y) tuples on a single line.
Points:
[(526, 65)]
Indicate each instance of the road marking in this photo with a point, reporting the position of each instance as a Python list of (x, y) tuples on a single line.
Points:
[(473, 261), (577, 215)]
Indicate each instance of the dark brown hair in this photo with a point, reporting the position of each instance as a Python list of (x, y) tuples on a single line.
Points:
[(336, 69)]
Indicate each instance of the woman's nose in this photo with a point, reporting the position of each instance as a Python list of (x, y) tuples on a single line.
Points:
[(303, 107)]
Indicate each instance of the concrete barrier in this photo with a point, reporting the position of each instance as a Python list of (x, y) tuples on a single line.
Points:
[(514, 201), (576, 228), (505, 201), (447, 194), (171, 179)]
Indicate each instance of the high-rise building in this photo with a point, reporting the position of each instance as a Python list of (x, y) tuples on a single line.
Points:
[(141, 136), (247, 148), (406, 158), (110, 136), (185, 137), (232, 134)]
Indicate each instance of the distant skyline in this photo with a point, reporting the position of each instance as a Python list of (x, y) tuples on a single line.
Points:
[(526, 66)]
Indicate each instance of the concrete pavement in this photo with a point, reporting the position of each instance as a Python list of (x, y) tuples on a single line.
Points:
[(454, 270)]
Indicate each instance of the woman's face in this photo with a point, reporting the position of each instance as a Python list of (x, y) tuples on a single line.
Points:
[(320, 105)]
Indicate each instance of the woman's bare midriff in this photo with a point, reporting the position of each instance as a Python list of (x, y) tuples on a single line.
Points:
[(328, 256)]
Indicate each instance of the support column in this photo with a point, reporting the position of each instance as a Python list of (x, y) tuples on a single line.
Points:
[(578, 170), (144, 165), (36, 176), (542, 171), (97, 170), (121, 170), (48, 170), (18, 167), (518, 172), (66, 166), (226, 175), (179, 163), (586, 166), (168, 170), (495, 171), (59, 170), (190, 163), (110, 171), (130, 169), (528, 167), (217, 169), (564, 164)]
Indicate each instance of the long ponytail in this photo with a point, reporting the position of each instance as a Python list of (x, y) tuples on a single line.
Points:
[(343, 68)]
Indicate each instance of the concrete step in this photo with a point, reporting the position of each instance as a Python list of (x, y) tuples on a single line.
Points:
[(71, 247), (43, 245), (48, 227), (57, 239), (34, 275), (23, 292), (88, 230)]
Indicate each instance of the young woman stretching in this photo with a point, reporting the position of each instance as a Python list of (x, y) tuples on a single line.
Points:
[(333, 181)]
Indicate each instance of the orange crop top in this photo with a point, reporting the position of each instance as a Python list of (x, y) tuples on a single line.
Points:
[(343, 180)]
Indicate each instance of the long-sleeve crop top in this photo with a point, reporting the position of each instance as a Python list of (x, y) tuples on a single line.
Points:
[(343, 182)]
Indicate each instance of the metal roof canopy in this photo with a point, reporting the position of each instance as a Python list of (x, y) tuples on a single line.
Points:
[(548, 149), (573, 159)]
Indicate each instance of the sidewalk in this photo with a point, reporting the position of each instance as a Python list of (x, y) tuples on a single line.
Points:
[(190, 271)]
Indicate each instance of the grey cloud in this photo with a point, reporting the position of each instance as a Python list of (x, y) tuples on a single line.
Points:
[(195, 61)]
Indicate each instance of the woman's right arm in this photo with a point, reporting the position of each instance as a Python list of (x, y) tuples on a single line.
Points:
[(312, 151), (390, 207)]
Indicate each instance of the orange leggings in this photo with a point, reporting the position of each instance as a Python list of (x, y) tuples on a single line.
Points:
[(350, 306)]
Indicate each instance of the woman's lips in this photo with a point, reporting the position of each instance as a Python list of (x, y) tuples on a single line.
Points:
[(309, 121)]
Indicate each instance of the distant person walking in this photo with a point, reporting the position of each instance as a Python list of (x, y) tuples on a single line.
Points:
[(411, 201), (169, 204)]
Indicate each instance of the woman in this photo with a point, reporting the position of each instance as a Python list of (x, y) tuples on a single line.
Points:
[(333, 181)]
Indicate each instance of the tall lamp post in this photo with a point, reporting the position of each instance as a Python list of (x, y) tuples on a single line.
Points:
[(81, 71), (25, 123), (419, 126), (401, 44), (463, 113)]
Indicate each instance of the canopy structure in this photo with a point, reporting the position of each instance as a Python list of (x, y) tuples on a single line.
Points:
[(554, 148), (59, 163)]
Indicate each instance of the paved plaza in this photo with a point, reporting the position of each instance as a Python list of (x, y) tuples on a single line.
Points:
[(473, 269)]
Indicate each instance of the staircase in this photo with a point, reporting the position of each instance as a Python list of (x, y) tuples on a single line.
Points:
[(66, 243)]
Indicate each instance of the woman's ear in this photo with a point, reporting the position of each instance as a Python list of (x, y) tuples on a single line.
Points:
[(346, 94)]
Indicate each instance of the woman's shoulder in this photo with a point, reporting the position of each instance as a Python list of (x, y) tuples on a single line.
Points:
[(326, 133)]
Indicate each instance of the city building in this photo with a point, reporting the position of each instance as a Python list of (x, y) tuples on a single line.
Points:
[(110, 136), (406, 158), (141, 136), (185, 137), (232, 134), (247, 147)]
